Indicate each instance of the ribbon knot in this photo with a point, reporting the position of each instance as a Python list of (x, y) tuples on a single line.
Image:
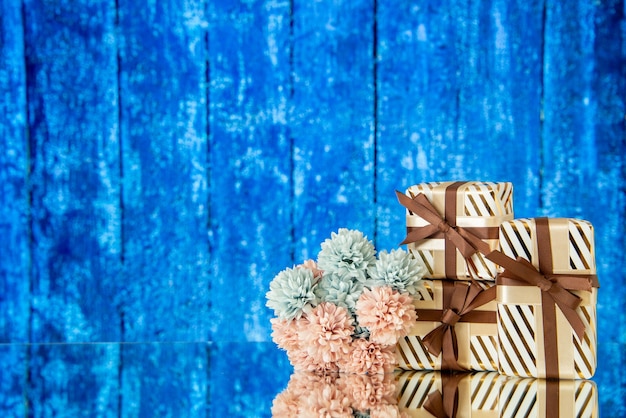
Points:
[(443, 226), (544, 284), (450, 317)]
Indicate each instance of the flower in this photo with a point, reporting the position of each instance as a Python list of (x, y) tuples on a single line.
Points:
[(326, 400), (286, 405), (285, 333), (368, 392), (398, 269), (291, 293), (387, 411), (312, 265), (387, 314), (348, 254), (326, 332), (369, 357), (342, 292)]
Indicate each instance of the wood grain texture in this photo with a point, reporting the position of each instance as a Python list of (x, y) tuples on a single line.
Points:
[(251, 209), (332, 121), (164, 380), (245, 378), (14, 204), (73, 130), (165, 290), (73, 380)]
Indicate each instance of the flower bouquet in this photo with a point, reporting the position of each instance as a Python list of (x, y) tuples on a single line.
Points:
[(335, 395), (347, 311)]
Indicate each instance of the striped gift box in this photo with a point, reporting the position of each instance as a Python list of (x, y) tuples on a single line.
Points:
[(541, 398), (477, 207), (426, 394), (475, 332), (536, 337)]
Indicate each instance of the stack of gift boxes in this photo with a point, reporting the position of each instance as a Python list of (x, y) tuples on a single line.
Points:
[(511, 302)]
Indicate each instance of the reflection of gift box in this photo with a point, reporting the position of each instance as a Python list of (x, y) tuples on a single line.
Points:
[(440, 214), (547, 299), (524, 397), (455, 328), (440, 394)]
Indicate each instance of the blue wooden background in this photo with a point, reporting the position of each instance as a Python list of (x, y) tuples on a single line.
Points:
[(160, 162)]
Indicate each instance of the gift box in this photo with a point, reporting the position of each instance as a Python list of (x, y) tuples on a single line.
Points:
[(445, 218), (546, 299), (455, 328), (440, 394), (541, 398)]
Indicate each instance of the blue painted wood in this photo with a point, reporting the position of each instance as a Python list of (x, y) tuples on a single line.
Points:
[(164, 380), (163, 121), (245, 378), (14, 208), (73, 380), (332, 121), (13, 380), (72, 118), (250, 160)]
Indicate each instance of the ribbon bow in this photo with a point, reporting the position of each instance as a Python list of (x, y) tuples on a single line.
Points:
[(421, 206), (459, 306), (555, 286), (444, 404)]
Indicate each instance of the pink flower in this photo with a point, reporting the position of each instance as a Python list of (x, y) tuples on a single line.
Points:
[(312, 265), (369, 357), (387, 411), (285, 333), (326, 400), (387, 314), (286, 404), (326, 332), (367, 392)]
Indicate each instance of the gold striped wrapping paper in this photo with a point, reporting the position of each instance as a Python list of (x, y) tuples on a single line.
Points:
[(521, 348), (477, 342), (478, 205), (478, 393), (526, 397)]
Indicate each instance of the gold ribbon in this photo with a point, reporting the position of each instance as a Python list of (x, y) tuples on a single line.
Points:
[(444, 404), (459, 302), (445, 226)]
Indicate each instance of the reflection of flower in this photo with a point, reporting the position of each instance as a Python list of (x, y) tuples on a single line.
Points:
[(397, 269), (326, 332), (341, 292), (388, 314), (291, 293), (337, 395), (348, 254), (369, 357)]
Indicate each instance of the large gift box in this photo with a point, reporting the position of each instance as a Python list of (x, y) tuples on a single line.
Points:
[(444, 218), (546, 299), (548, 398), (440, 394), (455, 328)]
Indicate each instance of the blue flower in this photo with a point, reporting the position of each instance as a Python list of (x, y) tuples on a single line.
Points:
[(347, 254), (292, 293), (397, 269), (341, 292)]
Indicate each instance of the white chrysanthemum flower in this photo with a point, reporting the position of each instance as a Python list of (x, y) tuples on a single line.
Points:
[(341, 292), (397, 269), (347, 254), (292, 293)]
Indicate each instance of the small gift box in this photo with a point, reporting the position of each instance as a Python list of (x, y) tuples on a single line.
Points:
[(444, 220), (547, 299), (455, 328), (448, 395), (541, 398)]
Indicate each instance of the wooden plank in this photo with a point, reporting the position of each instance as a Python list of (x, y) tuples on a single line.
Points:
[(164, 164), (251, 209), (584, 135), (13, 380), (73, 380), (454, 101), (332, 121), (164, 380), (14, 209), (73, 131), (245, 378)]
